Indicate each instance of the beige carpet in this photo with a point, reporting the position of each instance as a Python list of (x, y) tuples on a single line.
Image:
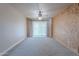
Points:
[(40, 47)]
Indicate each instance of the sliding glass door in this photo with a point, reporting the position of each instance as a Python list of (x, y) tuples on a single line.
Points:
[(39, 28)]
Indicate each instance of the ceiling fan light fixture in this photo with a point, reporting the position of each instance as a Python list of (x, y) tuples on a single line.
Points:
[(39, 15)]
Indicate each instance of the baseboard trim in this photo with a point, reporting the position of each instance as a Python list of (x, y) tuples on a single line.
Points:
[(11, 47)]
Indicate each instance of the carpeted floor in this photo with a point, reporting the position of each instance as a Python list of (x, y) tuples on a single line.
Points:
[(40, 47)]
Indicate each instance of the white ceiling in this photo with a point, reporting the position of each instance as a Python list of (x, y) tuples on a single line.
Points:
[(31, 9)]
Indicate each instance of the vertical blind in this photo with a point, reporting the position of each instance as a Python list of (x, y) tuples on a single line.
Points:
[(39, 28)]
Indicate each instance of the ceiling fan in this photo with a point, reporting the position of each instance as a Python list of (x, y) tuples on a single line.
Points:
[(40, 16)]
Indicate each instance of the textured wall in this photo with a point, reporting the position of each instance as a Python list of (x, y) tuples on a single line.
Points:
[(66, 27)]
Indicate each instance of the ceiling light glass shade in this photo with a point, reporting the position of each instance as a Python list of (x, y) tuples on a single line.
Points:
[(39, 18)]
